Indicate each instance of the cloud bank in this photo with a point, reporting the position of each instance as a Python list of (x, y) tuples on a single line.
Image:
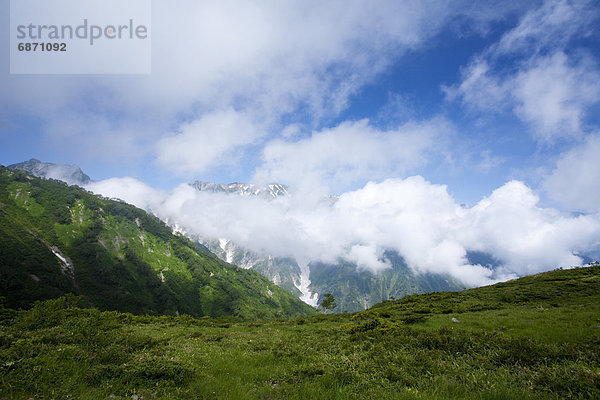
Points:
[(418, 219)]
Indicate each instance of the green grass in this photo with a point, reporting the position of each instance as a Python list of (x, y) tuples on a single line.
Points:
[(533, 338), (21, 194)]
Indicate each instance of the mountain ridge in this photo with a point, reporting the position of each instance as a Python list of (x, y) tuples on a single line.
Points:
[(59, 239), (354, 290), (357, 291)]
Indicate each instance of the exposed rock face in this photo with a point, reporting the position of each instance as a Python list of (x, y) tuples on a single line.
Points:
[(70, 174)]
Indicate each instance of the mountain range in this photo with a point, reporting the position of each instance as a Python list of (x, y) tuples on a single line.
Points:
[(353, 289), (57, 239)]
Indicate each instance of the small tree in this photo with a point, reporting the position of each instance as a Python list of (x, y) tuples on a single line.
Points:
[(328, 302)]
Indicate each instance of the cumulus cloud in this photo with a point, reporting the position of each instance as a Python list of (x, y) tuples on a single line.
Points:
[(412, 216), (130, 190), (575, 182), (551, 88), (350, 153), (207, 141), (553, 95), (511, 226)]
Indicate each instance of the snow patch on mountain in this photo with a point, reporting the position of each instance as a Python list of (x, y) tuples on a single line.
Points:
[(176, 229), (270, 191), (308, 297), (229, 250)]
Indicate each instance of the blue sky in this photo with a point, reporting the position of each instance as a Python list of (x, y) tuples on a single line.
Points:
[(328, 96)]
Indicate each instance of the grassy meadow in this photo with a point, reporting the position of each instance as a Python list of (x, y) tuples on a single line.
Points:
[(533, 338)]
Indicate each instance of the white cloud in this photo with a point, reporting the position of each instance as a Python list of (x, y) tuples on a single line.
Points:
[(479, 89), (553, 95), (419, 220), (367, 257), (351, 153), (509, 225), (410, 216), (274, 54), (552, 86), (208, 141), (551, 25), (129, 190), (575, 182)]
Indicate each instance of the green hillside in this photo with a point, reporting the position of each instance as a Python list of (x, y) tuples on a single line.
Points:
[(57, 239), (533, 338)]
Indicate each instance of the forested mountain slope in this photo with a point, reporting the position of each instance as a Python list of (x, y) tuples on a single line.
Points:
[(57, 239)]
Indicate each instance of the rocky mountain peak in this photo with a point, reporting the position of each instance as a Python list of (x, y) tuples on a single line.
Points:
[(70, 174)]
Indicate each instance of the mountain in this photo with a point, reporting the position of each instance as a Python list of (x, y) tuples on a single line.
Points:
[(284, 272), (71, 174), (57, 239), (269, 191), (356, 289), (353, 289)]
